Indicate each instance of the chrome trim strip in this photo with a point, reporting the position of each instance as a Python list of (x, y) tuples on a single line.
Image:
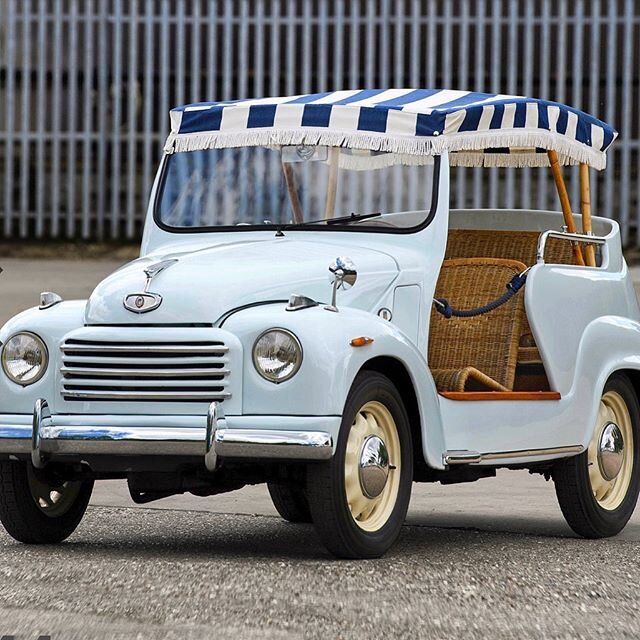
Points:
[(285, 445), (576, 238), (143, 373), (473, 457), (461, 457), (144, 348), (532, 453), (138, 394)]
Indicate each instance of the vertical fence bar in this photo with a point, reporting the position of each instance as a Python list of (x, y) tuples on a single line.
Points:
[(609, 111), (496, 81), (544, 62), (41, 72), (116, 84), (212, 51), (102, 99), (463, 81), (625, 121), (132, 110), (480, 85), (196, 54), (88, 125), (576, 80), (148, 70), (594, 79), (9, 172), (524, 191), (338, 46), (55, 174), (72, 124)]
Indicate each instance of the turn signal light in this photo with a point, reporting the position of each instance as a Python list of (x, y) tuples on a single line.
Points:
[(362, 341)]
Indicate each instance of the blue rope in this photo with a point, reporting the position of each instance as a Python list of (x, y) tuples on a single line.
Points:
[(513, 286)]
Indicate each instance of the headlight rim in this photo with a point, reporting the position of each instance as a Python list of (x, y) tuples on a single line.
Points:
[(43, 368), (294, 371)]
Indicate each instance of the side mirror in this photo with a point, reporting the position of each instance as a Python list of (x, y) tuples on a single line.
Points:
[(342, 275)]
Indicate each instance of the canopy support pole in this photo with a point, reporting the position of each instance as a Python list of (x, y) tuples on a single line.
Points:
[(564, 202), (330, 206), (585, 205), (290, 180)]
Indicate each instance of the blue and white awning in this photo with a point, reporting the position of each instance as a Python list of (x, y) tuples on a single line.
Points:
[(479, 129)]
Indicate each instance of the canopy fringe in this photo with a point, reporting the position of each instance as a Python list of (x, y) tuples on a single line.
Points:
[(468, 146)]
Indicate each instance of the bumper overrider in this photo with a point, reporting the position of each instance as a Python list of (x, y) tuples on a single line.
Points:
[(45, 437)]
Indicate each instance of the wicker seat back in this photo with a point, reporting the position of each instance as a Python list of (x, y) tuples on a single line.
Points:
[(487, 343), (511, 245)]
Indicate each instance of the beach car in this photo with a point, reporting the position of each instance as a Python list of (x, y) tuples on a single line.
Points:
[(308, 312)]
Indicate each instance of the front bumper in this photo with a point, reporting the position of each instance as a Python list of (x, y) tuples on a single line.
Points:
[(45, 437)]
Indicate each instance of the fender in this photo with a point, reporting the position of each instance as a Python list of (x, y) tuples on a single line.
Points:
[(609, 344), (330, 365), (51, 325)]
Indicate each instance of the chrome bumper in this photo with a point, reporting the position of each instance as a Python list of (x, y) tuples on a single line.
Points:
[(45, 436)]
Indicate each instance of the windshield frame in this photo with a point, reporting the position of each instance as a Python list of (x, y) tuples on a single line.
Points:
[(359, 228)]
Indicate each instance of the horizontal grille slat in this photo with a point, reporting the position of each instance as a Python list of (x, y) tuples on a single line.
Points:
[(86, 372), (142, 372)]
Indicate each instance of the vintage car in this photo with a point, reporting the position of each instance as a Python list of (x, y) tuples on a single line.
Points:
[(308, 312)]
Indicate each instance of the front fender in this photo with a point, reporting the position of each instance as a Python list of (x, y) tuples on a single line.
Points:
[(330, 365), (51, 325)]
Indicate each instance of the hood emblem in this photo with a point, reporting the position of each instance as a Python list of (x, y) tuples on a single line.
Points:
[(146, 300)]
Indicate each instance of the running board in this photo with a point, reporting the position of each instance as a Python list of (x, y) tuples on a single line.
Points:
[(464, 456)]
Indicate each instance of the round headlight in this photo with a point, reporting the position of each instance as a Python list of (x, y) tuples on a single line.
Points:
[(24, 358), (277, 355)]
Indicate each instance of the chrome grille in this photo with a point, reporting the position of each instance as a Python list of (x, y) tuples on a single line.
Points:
[(144, 371)]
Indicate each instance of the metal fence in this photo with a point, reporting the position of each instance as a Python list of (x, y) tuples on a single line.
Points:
[(85, 87)]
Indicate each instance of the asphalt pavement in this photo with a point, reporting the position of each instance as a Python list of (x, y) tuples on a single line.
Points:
[(491, 559)]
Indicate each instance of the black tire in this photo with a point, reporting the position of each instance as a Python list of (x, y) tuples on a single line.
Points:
[(24, 520), (326, 490), (573, 486), (290, 502)]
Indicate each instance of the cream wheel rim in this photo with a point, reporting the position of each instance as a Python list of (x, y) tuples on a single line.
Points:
[(373, 426), (613, 416), (52, 501)]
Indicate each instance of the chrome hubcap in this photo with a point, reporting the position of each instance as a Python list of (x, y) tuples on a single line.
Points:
[(373, 469), (611, 451)]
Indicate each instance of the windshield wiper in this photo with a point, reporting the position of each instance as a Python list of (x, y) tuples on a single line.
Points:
[(350, 218)]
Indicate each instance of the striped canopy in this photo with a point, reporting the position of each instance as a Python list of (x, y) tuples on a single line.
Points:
[(478, 129)]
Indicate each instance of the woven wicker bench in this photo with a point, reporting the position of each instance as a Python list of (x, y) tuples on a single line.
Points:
[(511, 245), (478, 353)]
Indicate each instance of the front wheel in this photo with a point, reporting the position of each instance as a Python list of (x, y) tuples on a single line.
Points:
[(290, 501), (359, 499), (36, 509), (598, 490)]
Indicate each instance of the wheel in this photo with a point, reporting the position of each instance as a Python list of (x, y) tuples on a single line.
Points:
[(359, 499), (35, 510), (598, 489), (289, 501)]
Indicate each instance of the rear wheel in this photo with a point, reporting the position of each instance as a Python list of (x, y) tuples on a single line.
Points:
[(35, 508), (290, 501), (359, 499), (598, 490)]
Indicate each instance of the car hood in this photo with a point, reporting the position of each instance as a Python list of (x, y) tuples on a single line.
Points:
[(205, 283)]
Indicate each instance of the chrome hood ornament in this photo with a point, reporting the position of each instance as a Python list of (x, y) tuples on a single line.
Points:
[(146, 300)]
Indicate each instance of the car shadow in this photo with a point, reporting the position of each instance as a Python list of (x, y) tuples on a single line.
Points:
[(192, 536)]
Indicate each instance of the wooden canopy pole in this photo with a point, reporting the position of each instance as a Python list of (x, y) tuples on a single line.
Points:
[(585, 205), (564, 202), (330, 205), (290, 180)]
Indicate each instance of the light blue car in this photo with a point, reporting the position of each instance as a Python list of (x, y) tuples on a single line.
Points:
[(308, 312)]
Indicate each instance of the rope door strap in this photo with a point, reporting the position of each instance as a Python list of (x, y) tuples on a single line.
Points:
[(513, 286)]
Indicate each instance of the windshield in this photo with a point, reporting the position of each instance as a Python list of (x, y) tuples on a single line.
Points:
[(252, 187)]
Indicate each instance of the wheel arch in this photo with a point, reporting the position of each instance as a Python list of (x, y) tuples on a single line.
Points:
[(398, 373)]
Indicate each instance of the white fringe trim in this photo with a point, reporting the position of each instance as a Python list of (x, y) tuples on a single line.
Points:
[(569, 151)]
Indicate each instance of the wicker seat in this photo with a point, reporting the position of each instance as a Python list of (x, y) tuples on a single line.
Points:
[(512, 245), (479, 353)]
